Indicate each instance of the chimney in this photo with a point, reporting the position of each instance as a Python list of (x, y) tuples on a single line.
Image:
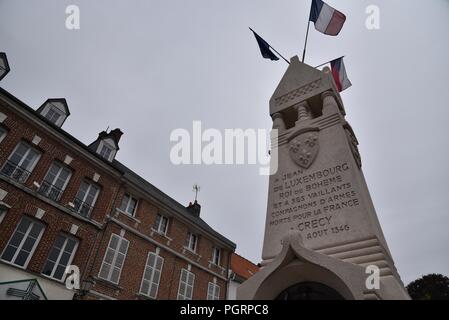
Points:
[(117, 134), (102, 135), (194, 208)]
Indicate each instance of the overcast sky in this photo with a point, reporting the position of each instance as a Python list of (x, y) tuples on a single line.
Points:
[(149, 67)]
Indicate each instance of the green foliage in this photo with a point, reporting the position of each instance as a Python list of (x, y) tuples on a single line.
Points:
[(429, 287)]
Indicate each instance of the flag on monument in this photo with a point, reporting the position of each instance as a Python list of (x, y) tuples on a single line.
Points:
[(265, 48), (339, 74), (326, 19)]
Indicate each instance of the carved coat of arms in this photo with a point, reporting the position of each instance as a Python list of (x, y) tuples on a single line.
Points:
[(304, 148)]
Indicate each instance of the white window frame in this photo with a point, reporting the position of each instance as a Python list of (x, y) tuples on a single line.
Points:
[(88, 191), (3, 212), (107, 144), (114, 258), (213, 291), (56, 108), (58, 259), (183, 295), (216, 251), (190, 242), (25, 237), (152, 279), (3, 133), (52, 183), (130, 197), (158, 227), (57, 111), (92, 205), (33, 164)]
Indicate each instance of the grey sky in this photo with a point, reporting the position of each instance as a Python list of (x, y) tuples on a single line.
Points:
[(149, 67)]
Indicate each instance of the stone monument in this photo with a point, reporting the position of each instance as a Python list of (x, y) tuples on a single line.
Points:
[(323, 239)]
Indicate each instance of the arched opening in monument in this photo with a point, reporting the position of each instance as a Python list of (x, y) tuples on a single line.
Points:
[(309, 291)]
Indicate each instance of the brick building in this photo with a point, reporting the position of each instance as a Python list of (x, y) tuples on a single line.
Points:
[(64, 203)]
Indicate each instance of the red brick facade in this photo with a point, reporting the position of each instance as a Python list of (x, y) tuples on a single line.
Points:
[(94, 233)]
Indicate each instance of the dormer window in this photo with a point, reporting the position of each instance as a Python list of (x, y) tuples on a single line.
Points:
[(4, 66), (53, 115), (55, 111), (106, 145), (106, 149)]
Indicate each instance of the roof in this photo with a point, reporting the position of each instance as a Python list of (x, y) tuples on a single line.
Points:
[(170, 202), (242, 267), (301, 82), (131, 175), (62, 101)]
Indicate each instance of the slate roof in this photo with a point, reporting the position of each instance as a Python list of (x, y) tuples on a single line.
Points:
[(170, 202)]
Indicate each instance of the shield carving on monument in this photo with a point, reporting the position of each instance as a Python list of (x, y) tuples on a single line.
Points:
[(304, 148)]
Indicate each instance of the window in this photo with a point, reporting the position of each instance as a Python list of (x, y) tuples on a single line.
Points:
[(60, 257), (114, 258), (23, 242), (2, 213), (161, 224), (128, 205), (85, 198), (191, 241), (216, 255), (3, 133), (152, 275), (105, 151), (21, 162), (55, 181), (55, 111), (185, 290), (53, 115), (213, 291)]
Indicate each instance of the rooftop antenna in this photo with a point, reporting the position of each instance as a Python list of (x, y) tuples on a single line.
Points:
[(196, 189)]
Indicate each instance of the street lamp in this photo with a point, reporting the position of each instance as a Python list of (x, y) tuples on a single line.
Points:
[(4, 66)]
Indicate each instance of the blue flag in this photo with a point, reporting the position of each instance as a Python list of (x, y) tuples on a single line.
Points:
[(265, 48)]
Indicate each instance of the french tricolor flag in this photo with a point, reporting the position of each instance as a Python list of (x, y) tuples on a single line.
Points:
[(327, 20), (339, 74)]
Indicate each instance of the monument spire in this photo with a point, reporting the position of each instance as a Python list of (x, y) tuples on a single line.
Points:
[(322, 233)]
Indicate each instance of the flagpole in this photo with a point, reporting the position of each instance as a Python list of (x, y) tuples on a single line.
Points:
[(279, 54), (305, 44), (307, 34), (272, 47)]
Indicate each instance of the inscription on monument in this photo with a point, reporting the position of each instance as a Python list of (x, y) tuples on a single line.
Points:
[(313, 201)]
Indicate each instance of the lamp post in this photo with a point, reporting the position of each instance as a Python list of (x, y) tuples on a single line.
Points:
[(4, 66)]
